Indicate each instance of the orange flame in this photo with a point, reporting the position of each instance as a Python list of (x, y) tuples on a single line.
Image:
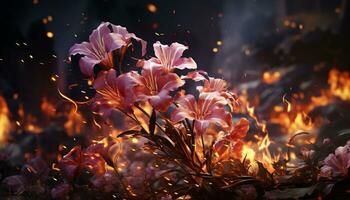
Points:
[(47, 107), (339, 84), (259, 152), (74, 123), (5, 124)]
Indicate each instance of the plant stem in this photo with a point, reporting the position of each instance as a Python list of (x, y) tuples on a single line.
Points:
[(144, 112)]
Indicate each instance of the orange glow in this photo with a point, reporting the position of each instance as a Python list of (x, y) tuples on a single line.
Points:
[(74, 123), (47, 108), (5, 124), (259, 152), (296, 118), (339, 83), (152, 8), (49, 34), (271, 77), (292, 116)]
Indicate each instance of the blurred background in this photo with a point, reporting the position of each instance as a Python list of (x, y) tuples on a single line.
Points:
[(234, 39), (272, 52)]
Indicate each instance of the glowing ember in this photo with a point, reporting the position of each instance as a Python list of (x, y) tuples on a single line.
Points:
[(152, 8), (271, 77), (49, 34)]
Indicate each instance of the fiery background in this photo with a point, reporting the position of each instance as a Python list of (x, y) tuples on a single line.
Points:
[(288, 62)]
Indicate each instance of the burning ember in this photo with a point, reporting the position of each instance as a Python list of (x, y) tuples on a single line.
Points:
[(157, 127)]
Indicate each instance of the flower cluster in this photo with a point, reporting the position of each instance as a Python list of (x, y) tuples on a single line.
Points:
[(194, 141), (196, 128), (155, 81), (161, 141)]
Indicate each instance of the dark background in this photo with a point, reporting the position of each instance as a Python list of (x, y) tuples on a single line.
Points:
[(255, 37)]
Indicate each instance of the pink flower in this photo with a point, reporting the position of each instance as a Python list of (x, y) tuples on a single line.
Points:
[(70, 163), (232, 144), (213, 85), (306, 153), (76, 160), (154, 85), (113, 92), (35, 169), (103, 40), (198, 75), (209, 109), (220, 86), (61, 190), (169, 57), (101, 147), (106, 182), (337, 164)]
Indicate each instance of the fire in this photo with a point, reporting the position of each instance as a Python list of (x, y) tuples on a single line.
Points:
[(259, 152), (292, 116), (289, 105), (322, 100), (297, 119), (74, 123), (302, 122), (293, 120), (339, 83), (248, 153), (47, 107), (5, 124), (251, 113), (271, 77), (27, 122)]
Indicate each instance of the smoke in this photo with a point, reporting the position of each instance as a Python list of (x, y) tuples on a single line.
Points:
[(243, 24)]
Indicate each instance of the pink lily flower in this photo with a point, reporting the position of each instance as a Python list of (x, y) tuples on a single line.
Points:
[(209, 109), (170, 57), (113, 92), (220, 86), (103, 40), (154, 85)]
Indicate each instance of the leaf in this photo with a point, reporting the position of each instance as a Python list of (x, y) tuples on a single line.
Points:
[(328, 189), (152, 122), (161, 142), (177, 139), (264, 173), (291, 193), (128, 132), (344, 132), (240, 181)]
